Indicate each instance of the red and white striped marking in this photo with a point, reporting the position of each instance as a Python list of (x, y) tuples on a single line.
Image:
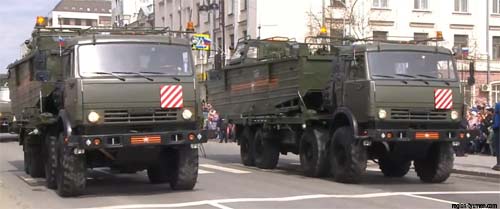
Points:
[(443, 99), (171, 96)]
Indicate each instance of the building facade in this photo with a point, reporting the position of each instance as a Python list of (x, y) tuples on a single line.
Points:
[(463, 24), (125, 12), (81, 14)]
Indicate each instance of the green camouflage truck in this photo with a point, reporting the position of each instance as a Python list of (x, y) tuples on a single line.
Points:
[(120, 98), (338, 106)]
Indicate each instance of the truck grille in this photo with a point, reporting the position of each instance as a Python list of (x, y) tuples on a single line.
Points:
[(406, 114), (124, 116)]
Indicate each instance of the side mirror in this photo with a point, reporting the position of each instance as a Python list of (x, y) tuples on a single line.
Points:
[(40, 66), (471, 81)]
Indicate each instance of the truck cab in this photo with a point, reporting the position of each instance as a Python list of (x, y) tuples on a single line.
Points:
[(108, 97)]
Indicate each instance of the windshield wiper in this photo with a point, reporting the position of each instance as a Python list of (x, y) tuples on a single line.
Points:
[(383, 76), (111, 74), (405, 75), (134, 73), (434, 77), (160, 73), (426, 76)]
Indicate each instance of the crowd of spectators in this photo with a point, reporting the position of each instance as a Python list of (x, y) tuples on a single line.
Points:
[(479, 118), (214, 122)]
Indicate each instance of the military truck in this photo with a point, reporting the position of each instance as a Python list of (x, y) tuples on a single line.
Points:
[(107, 97), (339, 105), (5, 109)]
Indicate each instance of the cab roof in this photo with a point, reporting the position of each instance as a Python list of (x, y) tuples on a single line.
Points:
[(392, 47)]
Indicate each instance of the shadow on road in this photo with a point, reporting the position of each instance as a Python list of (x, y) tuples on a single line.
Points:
[(101, 184), (4, 138), (18, 164)]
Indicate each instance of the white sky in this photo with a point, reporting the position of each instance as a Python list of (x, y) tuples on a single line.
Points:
[(17, 19)]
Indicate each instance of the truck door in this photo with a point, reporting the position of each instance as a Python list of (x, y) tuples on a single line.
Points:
[(70, 84), (356, 87)]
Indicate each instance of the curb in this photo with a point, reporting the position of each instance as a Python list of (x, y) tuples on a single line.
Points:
[(9, 138), (476, 173)]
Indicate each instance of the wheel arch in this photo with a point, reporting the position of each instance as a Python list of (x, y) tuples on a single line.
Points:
[(344, 117)]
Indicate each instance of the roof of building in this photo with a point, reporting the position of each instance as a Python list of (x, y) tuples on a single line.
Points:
[(84, 6)]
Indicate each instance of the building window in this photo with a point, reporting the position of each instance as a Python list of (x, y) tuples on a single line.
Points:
[(245, 33), (230, 7), (78, 22), (379, 35), (496, 47), (231, 39), (495, 93), (244, 5), (461, 5), (88, 22), (460, 41), (421, 37), (198, 13), (379, 4), (496, 5), (66, 21), (420, 4)]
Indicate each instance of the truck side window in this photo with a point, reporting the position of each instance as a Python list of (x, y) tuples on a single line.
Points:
[(252, 52), (67, 62), (356, 69)]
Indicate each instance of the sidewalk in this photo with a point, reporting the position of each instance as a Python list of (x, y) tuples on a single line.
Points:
[(477, 165)]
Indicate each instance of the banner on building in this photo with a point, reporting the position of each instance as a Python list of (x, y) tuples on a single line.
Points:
[(201, 42)]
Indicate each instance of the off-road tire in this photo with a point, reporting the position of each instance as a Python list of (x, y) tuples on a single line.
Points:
[(50, 161), (27, 157), (393, 167), (246, 148), (185, 171), (313, 153), (36, 166), (266, 152), (71, 169), (438, 164), (347, 156)]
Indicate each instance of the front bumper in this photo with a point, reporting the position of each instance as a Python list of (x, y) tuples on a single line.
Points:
[(404, 135), (168, 138)]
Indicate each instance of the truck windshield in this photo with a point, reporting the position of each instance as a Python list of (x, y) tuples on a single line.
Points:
[(411, 65), (97, 60)]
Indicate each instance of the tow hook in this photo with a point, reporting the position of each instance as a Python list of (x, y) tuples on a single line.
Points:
[(78, 151), (367, 143)]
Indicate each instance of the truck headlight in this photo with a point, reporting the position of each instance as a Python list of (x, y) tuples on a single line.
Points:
[(454, 115), (382, 114), (93, 117), (187, 114)]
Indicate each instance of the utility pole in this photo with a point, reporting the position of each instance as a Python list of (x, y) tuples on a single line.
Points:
[(222, 17), (488, 48)]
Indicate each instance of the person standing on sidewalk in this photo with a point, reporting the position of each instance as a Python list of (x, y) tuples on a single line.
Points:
[(496, 135)]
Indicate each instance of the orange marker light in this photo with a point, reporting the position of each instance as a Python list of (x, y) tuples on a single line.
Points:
[(97, 141), (41, 21)]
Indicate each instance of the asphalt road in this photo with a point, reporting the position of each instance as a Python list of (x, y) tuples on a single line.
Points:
[(224, 183)]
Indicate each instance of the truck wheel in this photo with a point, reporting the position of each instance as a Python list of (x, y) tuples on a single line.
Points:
[(246, 150), (393, 167), (347, 156), (27, 157), (51, 161), (185, 172), (70, 174), (36, 167), (266, 152), (313, 153), (437, 165)]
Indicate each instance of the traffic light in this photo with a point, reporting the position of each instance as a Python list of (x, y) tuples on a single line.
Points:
[(190, 26)]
